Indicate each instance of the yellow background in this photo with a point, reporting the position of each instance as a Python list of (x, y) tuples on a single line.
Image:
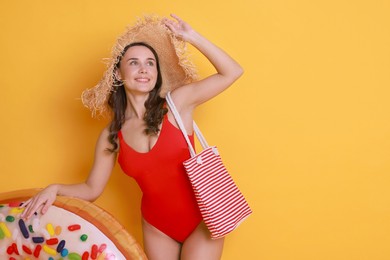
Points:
[(304, 132)]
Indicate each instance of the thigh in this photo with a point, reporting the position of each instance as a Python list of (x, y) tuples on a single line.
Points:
[(199, 245), (157, 245)]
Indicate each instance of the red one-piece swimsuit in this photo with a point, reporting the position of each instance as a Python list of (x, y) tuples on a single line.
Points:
[(168, 202)]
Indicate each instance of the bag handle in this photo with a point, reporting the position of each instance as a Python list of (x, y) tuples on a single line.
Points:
[(179, 121)]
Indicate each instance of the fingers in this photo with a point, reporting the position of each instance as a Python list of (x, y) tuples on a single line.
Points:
[(27, 202), (26, 206), (177, 18), (29, 209), (40, 202), (47, 205), (45, 208), (173, 27), (172, 23), (178, 27), (33, 205), (168, 23), (32, 212)]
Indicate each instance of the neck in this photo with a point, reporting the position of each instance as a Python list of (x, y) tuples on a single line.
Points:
[(136, 105)]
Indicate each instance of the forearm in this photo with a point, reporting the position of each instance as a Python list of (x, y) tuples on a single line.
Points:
[(223, 63), (79, 190)]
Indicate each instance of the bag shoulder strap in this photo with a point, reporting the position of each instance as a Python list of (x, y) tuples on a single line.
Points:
[(180, 123)]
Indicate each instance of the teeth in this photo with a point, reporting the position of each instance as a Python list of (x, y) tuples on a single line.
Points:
[(142, 79)]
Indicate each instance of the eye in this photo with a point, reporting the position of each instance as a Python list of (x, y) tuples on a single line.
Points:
[(150, 63), (133, 62)]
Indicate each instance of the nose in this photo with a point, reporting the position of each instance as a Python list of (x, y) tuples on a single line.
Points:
[(142, 69)]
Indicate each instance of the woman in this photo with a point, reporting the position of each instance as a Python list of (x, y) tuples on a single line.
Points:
[(144, 135)]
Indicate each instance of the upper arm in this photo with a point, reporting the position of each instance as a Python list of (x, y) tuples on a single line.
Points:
[(190, 96), (103, 165)]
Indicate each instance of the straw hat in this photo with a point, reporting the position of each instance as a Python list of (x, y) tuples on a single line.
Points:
[(176, 68)]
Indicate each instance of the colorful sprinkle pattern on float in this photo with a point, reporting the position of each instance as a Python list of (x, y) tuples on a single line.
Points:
[(58, 234)]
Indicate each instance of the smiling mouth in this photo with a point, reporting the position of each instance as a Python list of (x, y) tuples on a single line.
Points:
[(142, 79)]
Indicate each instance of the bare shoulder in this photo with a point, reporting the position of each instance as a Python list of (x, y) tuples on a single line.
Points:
[(103, 142), (104, 134), (105, 131)]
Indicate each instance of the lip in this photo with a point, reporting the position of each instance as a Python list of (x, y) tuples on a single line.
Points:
[(142, 79)]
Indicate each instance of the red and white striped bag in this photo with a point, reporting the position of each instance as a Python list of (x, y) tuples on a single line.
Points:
[(221, 203)]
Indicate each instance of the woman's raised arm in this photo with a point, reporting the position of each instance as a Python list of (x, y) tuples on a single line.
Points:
[(227, 69)]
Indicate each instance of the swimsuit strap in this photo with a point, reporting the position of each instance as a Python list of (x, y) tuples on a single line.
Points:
[(180, 123)]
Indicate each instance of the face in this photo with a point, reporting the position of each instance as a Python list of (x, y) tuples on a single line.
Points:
[(138, 69)]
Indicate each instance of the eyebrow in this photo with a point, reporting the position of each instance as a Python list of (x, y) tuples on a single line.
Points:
[(153, 59)]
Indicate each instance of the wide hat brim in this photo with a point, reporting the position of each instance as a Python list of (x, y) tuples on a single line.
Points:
[(175, 66)]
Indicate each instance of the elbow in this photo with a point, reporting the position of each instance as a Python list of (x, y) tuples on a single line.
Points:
[(93, 198), (94, 195), (91, 194), (238, 72)]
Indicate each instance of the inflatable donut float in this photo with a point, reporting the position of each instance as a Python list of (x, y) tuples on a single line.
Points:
[(71, 229)]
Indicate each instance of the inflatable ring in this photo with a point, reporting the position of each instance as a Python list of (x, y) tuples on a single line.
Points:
[(71, 229)]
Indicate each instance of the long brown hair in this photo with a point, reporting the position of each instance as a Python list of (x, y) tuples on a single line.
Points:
[(117, 101)]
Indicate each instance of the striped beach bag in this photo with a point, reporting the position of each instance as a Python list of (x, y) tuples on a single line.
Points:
[(222, 205)]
